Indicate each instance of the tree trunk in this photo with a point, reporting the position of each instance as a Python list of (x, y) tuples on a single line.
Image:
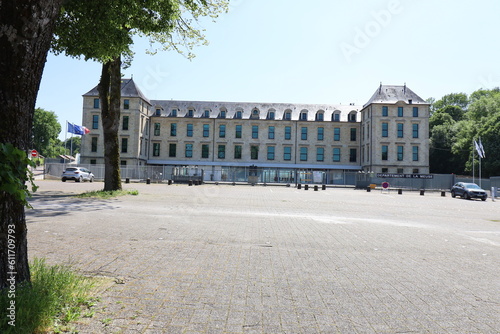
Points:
[(26, 28), (110, 94)]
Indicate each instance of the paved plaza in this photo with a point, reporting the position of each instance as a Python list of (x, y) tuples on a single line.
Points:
[(243, 259)]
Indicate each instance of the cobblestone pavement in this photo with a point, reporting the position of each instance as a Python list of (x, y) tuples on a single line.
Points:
[(242, 259)]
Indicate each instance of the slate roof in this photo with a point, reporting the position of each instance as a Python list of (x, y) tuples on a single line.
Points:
[(129, 89), (393, 94)]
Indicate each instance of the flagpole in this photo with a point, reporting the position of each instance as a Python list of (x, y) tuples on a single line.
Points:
[(480, 158), (473, 161), (66, 138)]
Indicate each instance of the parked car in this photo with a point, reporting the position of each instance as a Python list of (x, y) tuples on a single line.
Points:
[(468, 191), (78, 174)]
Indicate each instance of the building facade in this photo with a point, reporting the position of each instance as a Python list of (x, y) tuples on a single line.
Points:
[(277, 142)]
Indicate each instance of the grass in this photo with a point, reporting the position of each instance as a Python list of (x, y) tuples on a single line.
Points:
[(105, 194), (56, 297)]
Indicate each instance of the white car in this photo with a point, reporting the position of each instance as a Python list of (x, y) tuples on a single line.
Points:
[(78, 174)]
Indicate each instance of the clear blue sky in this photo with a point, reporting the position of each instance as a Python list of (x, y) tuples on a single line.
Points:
[(319, 51)]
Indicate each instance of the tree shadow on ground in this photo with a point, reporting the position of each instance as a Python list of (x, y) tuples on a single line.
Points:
[(58, 203)]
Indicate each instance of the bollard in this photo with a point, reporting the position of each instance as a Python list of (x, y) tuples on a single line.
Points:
[(315, 188), (306, 187), (169, 182), (422, 192), (288, 185), (190, 183), (323, 187), (400, 191), (127, 180), (443, 193), (299, 186), (148, 181), (368, 189), (234, 183)]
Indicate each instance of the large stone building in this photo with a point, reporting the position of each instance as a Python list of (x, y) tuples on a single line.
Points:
[(277, 142)]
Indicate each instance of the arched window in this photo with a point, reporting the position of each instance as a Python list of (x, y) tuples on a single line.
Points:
[(287, 115), (336, 116), (255, 114), (271, 114), (352, 116), (303, 115), (320, 116)]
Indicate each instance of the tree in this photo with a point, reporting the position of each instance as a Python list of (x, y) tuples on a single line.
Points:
[(26, 28), (46, 129), (103, 30), (454, 99)]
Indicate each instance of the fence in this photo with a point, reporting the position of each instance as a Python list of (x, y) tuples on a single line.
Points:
[(255, 174)]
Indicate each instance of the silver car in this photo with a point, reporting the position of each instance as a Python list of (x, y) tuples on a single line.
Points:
[(78, 174)]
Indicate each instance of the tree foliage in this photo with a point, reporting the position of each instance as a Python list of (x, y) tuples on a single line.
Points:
[(103, 30), (455, 125), (46, 129)]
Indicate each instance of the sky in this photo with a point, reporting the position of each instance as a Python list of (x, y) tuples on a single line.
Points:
[(316, 51)]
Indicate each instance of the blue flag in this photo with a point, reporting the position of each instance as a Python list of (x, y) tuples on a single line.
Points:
[(77, 129)]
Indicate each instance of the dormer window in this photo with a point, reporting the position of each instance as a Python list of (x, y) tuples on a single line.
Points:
[(255, 114), (173, 113), (352, 116), (222, 114), (288, 116), (320, 116), (303, 116), (270, 114), (190, 113), (238, 114), (206, 114), (158, 112), (336, 116)]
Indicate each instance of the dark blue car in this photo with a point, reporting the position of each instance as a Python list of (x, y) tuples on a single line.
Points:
[(468, 191)]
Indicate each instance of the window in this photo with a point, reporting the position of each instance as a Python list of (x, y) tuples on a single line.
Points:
[(287, 153), (353, 134), (320, 154), (321, 133), (303, 133), (156, 130), (303, 116), (95, 121), (353, 155), (254, 152), (189, 130), (173, 113), (156, 149), (415, 153), (320, 116), (190, 113), (238, 114), (96, 104), (270, 153), (400, 111), (303, 154), (237, 151), (271, 133), (385, 152), (125, 122), (385, 129), (385, 170), (270, 115), (416, 171), (221, 151), (385, 111), (415, 111), (400, 171), (93, 146), (415, 130), (400, 130), (222, 131), (206, 130), (173, 129), (336, 154), (124, 145), (352, 116), (288, 132), (126, 104), (400, 153), (206, 114), (336, 134), (222, 114), (288, 116), (238, 131), (172, 150), (336, 116), (255, 131), (158, 112), (255, 114), (189, 151), (94, 162), (204, 151)]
